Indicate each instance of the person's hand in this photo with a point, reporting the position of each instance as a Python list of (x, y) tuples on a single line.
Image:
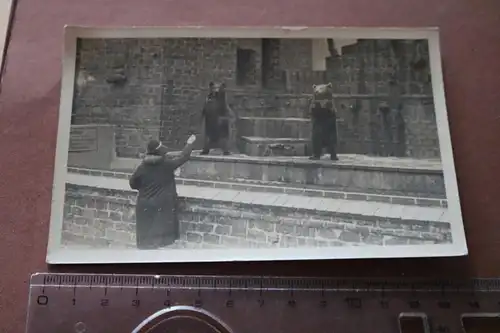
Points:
[(191, 139)]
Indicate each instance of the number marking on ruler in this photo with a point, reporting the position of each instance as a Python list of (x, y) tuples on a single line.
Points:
[(150, 303)]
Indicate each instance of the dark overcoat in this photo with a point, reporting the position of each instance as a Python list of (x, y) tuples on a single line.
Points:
[(157, 223)]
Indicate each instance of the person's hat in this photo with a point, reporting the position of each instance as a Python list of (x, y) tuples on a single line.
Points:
[(155, 147)]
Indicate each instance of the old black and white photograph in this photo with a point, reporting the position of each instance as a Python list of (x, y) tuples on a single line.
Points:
[(180, 144)]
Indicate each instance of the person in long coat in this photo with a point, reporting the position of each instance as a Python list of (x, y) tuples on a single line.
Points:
[(157, 223)]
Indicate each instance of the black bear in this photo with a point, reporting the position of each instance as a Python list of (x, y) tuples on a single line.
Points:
[(324, 121), (216, 113)]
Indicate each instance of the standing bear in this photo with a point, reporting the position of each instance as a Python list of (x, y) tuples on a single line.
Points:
[(216, 113), (324, 121)]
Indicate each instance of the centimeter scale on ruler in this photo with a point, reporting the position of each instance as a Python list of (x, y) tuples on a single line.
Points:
[(147, 303)]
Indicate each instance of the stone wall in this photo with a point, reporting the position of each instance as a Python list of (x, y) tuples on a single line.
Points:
[(295, 54), (393, 114), (106, 218), (167, 79), (166, 83), (163, 91)]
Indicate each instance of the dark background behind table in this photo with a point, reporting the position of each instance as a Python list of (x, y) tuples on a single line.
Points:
[(470, 38)]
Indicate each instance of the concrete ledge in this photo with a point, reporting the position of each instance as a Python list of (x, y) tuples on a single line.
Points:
[(345, 162), (352, 173), (368, 210), (251, 186)]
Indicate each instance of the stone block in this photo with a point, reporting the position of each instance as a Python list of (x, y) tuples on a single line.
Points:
[(194, 237), (289, 241), (230, 241), (115, 216), (239, 228), (128, 227), (78, 220), (285, 229), (360, 230), (211, 239), (313, 223), (203, 227), (390, 225), (374, 240), (395, 241), (304, 231), (349, 236), (336, 243), (120, 236), (257, 235), (322, 243), (222, 230), (266, 226), (328, 233)]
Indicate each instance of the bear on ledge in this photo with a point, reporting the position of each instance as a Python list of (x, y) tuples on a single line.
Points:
[(324, 121)]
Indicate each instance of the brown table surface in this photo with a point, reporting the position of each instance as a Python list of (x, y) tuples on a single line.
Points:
[(470, 35)]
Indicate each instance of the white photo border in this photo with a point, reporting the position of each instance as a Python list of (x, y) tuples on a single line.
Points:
[(56, 254), (6, 12)]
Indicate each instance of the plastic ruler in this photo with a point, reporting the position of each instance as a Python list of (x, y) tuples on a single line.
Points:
[(85, 303)]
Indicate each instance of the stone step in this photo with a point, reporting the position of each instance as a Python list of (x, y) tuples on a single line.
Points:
[(274, 127), (230, 218), (351, 173), (258, 146)]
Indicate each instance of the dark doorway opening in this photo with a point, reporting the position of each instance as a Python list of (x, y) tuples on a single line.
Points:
[(272, 77), (246, 67)]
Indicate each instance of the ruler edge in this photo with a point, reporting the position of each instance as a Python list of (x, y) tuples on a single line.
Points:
[(489, 314), (189, 281)]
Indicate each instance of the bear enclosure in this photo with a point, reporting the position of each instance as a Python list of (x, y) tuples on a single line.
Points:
[(387, 188), (382, 88)]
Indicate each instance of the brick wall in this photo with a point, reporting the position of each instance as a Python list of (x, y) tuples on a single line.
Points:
[(163, 95), (167, 80), (296, 54), (106, 218), (397, 120)]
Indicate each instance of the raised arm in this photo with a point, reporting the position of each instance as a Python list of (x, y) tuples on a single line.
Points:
[(185, 154)]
